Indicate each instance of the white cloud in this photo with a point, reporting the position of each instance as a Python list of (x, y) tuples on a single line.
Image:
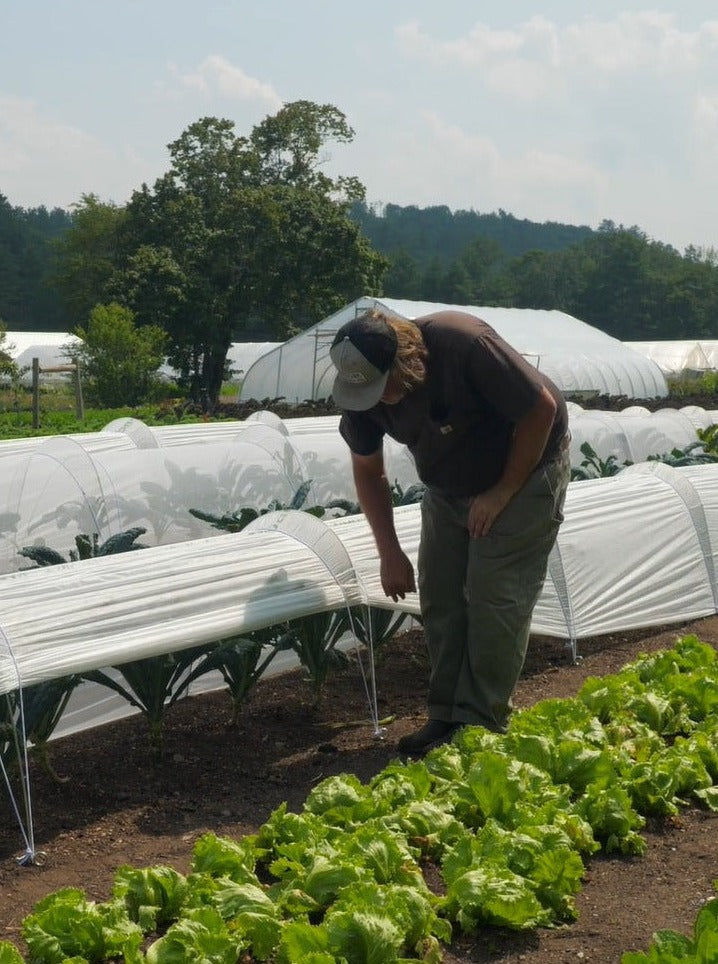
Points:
[(216, 75), (453, 166), (645, 40), (46, 161), (529, 180), (537, 48), (707, 112), (481, 45)]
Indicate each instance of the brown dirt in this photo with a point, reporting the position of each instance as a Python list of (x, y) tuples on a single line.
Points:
[(606, 403), (118, 806)]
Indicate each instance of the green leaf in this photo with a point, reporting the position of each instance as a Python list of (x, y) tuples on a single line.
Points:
[(363, 937), (42, 555), (222, 857), (202, 938), (339, 800), (9, 954), (65, 923), (152, 896), (496, 896), (304, 943)]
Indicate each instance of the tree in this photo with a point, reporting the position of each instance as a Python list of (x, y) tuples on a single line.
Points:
[(8, 368), (242, 231), (86, 257), (119, 360), (402, 279)]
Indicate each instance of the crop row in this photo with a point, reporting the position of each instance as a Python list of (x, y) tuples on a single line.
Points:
[(506, 823)]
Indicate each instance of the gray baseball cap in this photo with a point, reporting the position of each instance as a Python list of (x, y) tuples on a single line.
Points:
[(362, 352)]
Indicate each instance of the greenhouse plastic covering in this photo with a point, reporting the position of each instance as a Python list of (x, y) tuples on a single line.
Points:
[(680, 357), (47, 346), (577, 357), (240, 358)]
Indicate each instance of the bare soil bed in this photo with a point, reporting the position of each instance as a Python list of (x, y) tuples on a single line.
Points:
[(606, 403), (118, 805)]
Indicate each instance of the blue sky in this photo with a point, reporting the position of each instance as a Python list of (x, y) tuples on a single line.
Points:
[(539, 109)]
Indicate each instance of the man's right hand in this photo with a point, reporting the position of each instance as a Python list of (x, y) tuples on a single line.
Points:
[(397, 575), (396, 571)]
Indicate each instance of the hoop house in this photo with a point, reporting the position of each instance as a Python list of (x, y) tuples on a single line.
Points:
[(47, 346), (680, 357), (576, 356)]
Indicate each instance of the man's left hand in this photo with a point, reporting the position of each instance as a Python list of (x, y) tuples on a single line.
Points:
[(484, 509)]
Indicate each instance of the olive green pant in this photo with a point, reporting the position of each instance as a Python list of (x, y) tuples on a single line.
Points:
[(477, 595)]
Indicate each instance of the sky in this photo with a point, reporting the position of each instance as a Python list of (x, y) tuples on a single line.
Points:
[(534, 108)]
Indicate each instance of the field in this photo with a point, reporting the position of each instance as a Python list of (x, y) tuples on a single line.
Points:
[(118, 806)]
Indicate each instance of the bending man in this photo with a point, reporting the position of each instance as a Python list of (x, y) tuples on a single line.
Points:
[(488, 433)]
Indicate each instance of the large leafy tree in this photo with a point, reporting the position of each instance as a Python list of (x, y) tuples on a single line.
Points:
[(244, 234), (87, 257)]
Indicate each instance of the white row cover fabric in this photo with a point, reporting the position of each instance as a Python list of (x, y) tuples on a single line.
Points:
[(637, 549), (54, 491), (680, 357), (634, 430), (129, 475), (635, 434), (577, 357)]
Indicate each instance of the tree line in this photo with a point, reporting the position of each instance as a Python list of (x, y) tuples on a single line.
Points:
[(614, 278), (245, 238)]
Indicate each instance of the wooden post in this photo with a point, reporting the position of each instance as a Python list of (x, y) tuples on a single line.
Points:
[(79, 403), (36, 393), (75, 370)]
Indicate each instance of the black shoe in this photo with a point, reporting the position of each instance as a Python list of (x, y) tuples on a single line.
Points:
[(432, 733)]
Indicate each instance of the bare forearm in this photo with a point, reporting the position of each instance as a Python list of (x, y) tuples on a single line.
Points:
[(375, 501), (396, 570), (530, 438), (529, 442)]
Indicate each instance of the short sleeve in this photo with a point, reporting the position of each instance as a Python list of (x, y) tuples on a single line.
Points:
[(361, 433)]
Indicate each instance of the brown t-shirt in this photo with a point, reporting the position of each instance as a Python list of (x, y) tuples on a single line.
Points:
[(459, 424)]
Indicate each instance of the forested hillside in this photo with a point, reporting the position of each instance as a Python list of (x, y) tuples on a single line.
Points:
[(615, 278), (27, 299), (438, 232)]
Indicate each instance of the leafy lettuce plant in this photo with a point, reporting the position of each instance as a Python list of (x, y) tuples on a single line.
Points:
[(200, 936), (506, 818), (215, 856), (151, 896), (670, 947), (66, 924), (9, 954)]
